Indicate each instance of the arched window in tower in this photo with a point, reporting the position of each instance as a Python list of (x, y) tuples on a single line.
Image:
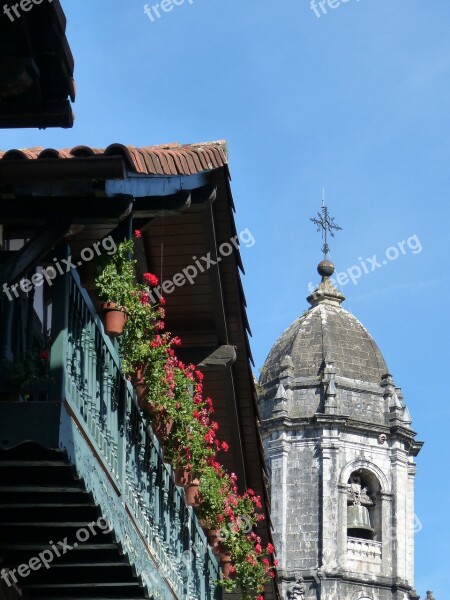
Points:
[(363, 518)]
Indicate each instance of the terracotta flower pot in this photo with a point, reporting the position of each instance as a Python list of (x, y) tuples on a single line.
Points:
[(227, 567), (213, 536), (141, 389), (219, 549), (114, 319), (162, 428), (181, 477), (191, 493)]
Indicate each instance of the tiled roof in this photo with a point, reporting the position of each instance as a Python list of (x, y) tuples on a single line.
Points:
[(169, 159)]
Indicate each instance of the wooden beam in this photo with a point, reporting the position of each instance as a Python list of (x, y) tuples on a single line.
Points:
[(223, 357), (214, 272), (208, 357), (36, 114), (156, 206), (45, 239), (78, 210), (91, 168)]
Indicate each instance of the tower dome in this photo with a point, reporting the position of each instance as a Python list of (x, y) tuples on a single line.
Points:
[(327, 333), (326, 358)]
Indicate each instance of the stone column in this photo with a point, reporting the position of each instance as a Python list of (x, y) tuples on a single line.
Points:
[(413, 523), (388, 533), (278, 456), (331, 523)]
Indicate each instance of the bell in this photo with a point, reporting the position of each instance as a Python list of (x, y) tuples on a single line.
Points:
[(358, 522)]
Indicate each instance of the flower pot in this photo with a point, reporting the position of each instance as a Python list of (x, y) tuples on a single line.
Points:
[(141, 389), (191, 493), (162, 428), (114, 319), (182, 477), (227, 567), (219, 549), (213, 536)]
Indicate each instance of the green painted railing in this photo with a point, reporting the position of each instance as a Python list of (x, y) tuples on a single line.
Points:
[(85, 371)]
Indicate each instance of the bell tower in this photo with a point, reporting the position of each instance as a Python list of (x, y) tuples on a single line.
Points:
[(340, 451)]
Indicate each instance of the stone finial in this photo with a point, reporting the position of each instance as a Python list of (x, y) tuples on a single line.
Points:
[(407, 419), (287, 372), (325, 292), (395, 403), (395, 408), (287, 363), (430, 596), (329, 386), (387, 382), (281, 393), (280, 401)]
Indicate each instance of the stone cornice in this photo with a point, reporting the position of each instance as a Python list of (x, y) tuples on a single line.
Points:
[(343, 424)]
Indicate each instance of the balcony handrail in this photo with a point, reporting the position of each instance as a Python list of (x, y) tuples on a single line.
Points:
[(373, 543), (85, 369)]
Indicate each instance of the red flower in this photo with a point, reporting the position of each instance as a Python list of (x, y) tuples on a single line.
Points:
[(44, 355), (162, 301), (151, 279), (144, 298), (270, 548), (137, 233), (225, 447)]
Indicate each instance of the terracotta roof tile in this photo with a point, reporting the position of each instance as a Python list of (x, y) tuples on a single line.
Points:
[(168, 159)]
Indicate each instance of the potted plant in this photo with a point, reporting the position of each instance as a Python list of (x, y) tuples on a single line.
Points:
[(27, 374), (114, 285), (170, 394)]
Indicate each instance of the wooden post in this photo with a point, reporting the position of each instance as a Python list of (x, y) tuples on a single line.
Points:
[(60, 319)]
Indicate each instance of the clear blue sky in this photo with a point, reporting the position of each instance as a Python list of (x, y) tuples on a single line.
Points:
[(356, 101)]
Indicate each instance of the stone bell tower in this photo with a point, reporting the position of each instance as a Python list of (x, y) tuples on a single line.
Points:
[(340, 451)]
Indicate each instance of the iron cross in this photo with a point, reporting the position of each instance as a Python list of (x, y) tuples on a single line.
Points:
[(326, 224)]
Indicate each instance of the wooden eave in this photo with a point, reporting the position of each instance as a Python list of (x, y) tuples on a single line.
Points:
[(36, 69)]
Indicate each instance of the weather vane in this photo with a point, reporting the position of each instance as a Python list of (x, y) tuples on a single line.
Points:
[(326, 224)]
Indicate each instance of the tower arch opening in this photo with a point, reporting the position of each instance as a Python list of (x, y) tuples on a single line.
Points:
[(363, 506)]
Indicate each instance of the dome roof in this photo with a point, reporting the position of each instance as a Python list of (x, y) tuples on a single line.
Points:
[(327, 363), (327, 331)]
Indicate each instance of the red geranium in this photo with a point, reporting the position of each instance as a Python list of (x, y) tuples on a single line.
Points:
[(151, 279)]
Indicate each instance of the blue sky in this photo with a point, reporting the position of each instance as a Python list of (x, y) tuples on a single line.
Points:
[(356, 101)]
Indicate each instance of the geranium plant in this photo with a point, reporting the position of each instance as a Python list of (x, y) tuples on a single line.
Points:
[(172, 392), (116, 281)]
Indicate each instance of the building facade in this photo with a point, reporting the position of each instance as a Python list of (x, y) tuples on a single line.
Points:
[(340, 451), (75, 449)]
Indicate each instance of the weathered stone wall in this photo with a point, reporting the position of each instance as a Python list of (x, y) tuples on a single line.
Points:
[(310, 466)]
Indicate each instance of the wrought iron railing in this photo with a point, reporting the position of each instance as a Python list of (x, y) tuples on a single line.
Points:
[(86, 371)]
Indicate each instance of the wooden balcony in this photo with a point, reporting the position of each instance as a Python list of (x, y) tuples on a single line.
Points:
[(115, 453)]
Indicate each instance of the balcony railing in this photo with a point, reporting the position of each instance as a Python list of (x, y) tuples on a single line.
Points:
[(368, 550), (102, 404)]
